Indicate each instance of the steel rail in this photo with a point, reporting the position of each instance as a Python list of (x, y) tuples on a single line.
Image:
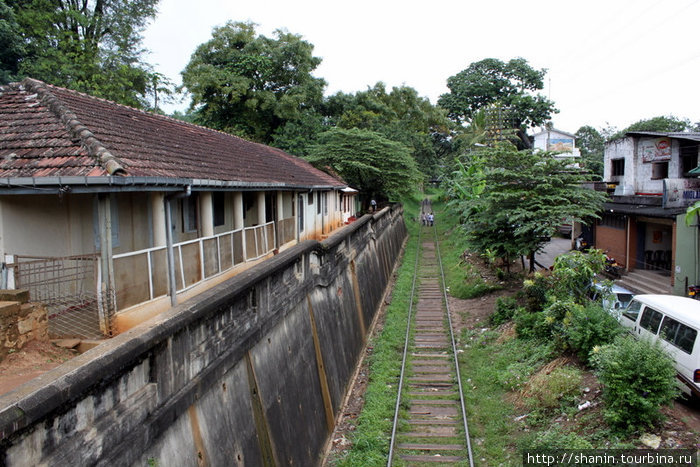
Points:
[(405, 351), (454, 351)]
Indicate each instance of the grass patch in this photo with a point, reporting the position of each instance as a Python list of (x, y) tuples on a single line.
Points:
[(491, 368), (371, 438), (463, 279)]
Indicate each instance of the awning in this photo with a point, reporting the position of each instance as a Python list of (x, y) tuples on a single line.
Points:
[(641, 210)]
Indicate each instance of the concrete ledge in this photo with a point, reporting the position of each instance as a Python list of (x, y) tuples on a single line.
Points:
[(18, 295), (140, 395)]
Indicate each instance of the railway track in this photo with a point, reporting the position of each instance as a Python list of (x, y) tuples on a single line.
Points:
[(430, 425)]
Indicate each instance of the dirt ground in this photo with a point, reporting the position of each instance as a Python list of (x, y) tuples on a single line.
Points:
[(34, 359), (680, 430)]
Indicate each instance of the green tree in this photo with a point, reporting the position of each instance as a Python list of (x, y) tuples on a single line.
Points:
[(491, 81), (663, 124), (400, 115), (378, 167), (513, 201), (92, 46), (592, 145), (252, 86), (12, 47)]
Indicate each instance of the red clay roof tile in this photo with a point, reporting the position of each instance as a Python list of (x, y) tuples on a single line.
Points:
[(50, 131)]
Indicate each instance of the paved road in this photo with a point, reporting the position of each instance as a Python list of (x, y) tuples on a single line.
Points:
[(553, 249)]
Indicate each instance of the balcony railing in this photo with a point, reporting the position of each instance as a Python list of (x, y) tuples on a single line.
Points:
[(141, 276)]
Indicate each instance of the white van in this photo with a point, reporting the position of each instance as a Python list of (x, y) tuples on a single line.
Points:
[(674, 322)]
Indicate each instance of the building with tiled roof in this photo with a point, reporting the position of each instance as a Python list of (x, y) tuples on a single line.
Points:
[(88, 189)]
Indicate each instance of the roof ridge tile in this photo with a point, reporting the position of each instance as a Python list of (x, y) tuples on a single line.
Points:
[(79, 131)]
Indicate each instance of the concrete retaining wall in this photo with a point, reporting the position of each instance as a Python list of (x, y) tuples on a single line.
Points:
[(251, 372)]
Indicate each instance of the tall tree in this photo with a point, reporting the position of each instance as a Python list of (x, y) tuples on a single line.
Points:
[(89, 45), (400, 115), (378, 167), (253, 85), (591, 143), (12, 47), (491, 81), (512, 201), (661, 123)]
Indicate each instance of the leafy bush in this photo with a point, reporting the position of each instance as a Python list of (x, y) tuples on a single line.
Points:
[(556, 438), (549, 390), (638, 378), (573, 273), (536, 288), (531, 325), (589, 327), (505, 309)]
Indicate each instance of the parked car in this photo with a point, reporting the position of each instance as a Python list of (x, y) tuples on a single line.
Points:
[(673, 322), (613, 297)]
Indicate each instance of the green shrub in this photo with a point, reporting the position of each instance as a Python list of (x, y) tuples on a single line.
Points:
[(531, 325), (548, 391), (505, 309), (589, 327), (536, 288), (638, 378), (556, 438), (573, 273)]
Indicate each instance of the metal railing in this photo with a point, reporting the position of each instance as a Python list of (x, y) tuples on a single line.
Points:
[(70, 286), (141, 276)]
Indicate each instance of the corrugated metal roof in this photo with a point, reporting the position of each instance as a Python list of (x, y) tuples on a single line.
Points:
[(642, 210), (47, 132), (692, 136)]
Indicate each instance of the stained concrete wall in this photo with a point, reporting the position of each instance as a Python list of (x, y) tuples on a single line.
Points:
[(251, 372)]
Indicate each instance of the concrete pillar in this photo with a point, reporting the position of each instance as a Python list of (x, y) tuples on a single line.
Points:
[(237, 210), (260, 202), (280, 205), (206, 210), (158, 213)]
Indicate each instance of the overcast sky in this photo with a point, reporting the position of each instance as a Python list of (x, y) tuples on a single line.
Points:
[(609, 62)]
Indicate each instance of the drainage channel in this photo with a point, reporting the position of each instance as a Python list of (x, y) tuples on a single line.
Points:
[(430, 425)]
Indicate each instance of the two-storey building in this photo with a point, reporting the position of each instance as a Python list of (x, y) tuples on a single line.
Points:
[(651, 185), (561, 143)]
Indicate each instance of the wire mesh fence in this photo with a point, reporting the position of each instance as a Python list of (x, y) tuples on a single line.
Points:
[(68, 286)]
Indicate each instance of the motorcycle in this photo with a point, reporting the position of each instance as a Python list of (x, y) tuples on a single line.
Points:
[(694, 291), (612, 267)]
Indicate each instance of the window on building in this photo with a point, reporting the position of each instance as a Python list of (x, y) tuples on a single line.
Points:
[(618, 167), (318, 202), (219, 206), (190, 216), (310, 199), (248, 202), (688, 156), (301, 212), (659, 170), (614, 221), (270, 206), (325, 203)]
